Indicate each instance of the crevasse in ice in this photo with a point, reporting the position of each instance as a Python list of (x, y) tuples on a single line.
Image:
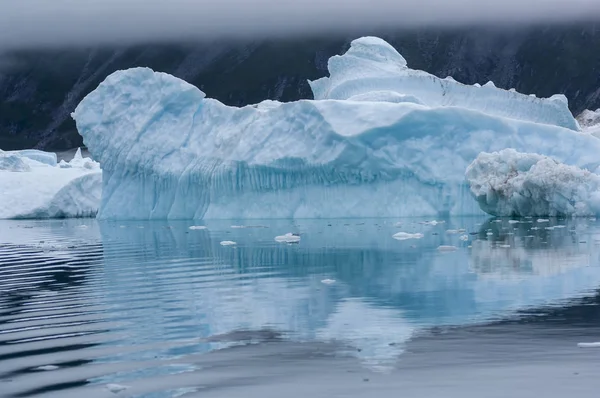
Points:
[(379, 140)]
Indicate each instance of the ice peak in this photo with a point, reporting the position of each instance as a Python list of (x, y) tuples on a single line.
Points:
[(375, 50)]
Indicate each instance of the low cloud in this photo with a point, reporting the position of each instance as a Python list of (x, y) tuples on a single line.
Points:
[(27, 23)]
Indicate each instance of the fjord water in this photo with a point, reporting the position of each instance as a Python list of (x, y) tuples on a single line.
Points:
[(156, 309)]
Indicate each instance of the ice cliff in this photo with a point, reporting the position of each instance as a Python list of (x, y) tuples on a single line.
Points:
[(34, 185), (379, 140)]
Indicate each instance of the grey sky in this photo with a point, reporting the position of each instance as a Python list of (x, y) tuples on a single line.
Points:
[(60, 22)]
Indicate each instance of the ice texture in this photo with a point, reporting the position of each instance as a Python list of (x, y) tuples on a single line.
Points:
[(35, 186), (509, 183), (590, 122), (371, 64), (392, 142)]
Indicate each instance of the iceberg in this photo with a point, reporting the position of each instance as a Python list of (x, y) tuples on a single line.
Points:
[(35, 186), (371, 64), (509, 183), (379, 140)]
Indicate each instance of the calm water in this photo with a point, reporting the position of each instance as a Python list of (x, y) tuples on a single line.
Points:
[(142, 309)]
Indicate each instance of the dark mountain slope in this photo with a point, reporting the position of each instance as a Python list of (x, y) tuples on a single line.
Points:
[(39, 89)]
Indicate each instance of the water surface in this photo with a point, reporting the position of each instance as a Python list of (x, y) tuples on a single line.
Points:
[(156, 309)]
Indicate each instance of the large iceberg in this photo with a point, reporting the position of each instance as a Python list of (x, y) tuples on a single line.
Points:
[(509, 183), (34, 185), (379, 140)]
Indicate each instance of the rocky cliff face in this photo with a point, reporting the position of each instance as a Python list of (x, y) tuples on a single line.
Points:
[(39, 89)]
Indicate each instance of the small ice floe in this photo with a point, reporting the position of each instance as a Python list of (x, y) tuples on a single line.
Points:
[(542, 220), (228, 243), (288, 238), (398, 225), (593, 219), (497, 221), (464, 238), (447, 249), (513, 221), (456, 231), (407, 236), (549, 228), (237, 227), (504, 246), (328, 281), (432, 223), (47, 367), (116, 388), (535, 228), (490, 233), (589, 345), (83, 226), (560, 226), (198, 227)]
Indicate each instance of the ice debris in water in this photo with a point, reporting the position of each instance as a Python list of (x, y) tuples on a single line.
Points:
[(589, 345), (444, 248), (407, 236), (228, 243), (297, 159), (47, 367), (464, 238), (288, 238), (116, 388), (198, 227), (455, 231), (328, 281), (512, 183)]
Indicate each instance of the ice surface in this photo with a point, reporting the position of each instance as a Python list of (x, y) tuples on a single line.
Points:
[(34, 186), (371, 64), (509, 183), (47, 158), (169, 152), (590, 122), (13, 163)]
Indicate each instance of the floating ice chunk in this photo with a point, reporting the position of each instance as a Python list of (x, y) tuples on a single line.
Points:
[(407, 236), (198, 227), (228, 243), (328, 281), (504, 246), (288, 238), (510, 183), (447, 248), (432, 223), (455, 231), (589, 345), (47, 368), (116, 388), (398, 225), (513, 221), (542, 220), (464, 238)]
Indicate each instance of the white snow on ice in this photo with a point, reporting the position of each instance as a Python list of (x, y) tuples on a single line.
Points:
[(35, 186)]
